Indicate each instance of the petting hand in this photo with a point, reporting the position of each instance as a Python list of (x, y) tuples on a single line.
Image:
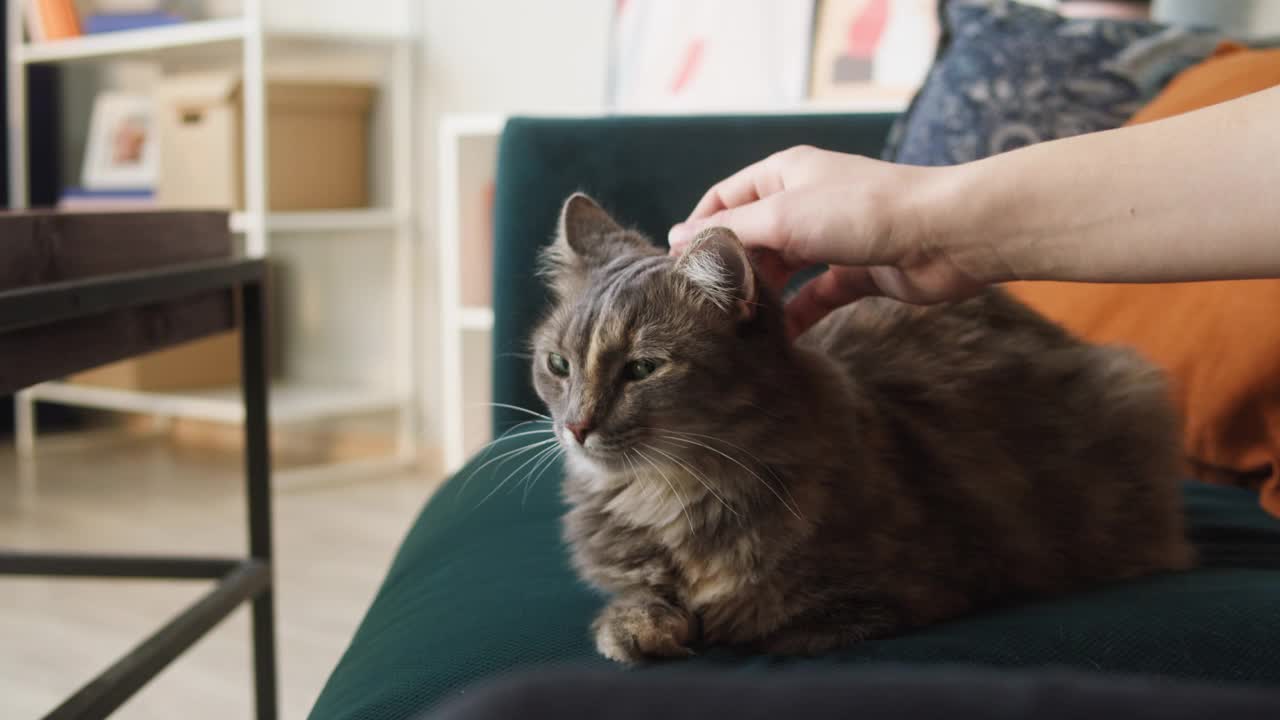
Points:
[(805, 206)]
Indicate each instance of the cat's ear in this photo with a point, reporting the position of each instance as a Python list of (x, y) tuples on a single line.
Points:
[(716, 264), (585, 226), (587, 237)]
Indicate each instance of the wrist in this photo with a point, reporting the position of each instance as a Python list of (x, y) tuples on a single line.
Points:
[(952, 214)]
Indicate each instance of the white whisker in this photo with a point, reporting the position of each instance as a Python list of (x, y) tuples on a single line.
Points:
[(537, 461), (508, 436), (671, 485), (488, 448), (739, 448), (540, 468), (512, 474), (513, 407), (496, 458), (484, 449), (635, 473), (740, 464), (696, 476)]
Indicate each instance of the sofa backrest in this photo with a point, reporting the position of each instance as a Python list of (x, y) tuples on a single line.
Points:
[(648, 171)]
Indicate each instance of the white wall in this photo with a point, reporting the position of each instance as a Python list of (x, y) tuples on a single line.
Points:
[(512, 56), (504, 56)]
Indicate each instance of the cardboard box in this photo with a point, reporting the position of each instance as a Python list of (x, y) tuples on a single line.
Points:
[(208, 362), (317, 143)]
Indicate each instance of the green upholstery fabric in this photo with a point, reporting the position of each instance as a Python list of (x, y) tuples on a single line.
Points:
[(482, 586)]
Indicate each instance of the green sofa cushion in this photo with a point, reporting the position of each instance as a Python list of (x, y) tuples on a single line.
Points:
[(482, 588)]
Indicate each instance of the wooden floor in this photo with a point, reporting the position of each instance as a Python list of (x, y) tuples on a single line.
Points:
[(334, 538)]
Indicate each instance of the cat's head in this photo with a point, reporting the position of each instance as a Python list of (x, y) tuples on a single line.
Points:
[(641, 349)]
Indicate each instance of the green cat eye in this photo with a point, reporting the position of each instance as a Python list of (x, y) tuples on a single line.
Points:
[(641, 369), (558, 365)]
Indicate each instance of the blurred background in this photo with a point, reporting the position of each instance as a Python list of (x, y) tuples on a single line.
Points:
[(354, 143)]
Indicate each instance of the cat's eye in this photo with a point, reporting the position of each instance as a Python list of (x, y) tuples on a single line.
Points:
[(641, 369), (558, 365)]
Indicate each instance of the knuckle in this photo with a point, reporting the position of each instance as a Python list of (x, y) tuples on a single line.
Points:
[(796, 153), (777, 233)]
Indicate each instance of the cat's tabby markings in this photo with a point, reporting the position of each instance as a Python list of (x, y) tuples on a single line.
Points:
[(895, 467)]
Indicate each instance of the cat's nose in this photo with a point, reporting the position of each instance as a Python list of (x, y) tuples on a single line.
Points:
[(580, 430)]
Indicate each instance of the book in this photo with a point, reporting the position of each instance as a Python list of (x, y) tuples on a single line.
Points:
[(52, 20), (35, 22), (78, 198), (118, 22), (68, 25)]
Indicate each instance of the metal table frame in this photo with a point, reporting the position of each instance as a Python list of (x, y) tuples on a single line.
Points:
[(239, 579)]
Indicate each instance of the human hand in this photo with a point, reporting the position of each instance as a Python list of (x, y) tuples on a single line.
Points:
[(870, 221)]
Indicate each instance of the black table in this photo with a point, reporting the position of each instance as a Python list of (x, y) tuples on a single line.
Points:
[(39, 328)]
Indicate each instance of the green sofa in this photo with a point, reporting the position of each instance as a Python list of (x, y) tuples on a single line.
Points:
[(481, 589)]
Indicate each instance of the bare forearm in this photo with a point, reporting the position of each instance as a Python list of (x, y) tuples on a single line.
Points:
[(1196, 197)]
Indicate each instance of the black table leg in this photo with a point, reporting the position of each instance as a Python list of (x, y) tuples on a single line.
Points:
[(238, 579), (253, 356)]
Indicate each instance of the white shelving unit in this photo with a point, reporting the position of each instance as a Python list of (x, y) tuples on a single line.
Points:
[(133, 42), (324, 221), (246, 41), (466, 151), (467, 154), (289, 402)]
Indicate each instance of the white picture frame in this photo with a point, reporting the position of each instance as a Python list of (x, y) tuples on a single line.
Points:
[(121, 152), (709, 55), (872, 50)]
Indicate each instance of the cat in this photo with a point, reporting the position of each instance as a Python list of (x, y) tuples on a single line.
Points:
[(894, 467)]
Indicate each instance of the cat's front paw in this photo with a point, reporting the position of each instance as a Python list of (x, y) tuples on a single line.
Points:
[(630, 631)]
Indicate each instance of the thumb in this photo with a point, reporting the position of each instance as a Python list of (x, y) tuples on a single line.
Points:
[(756, 225), (832, 289)]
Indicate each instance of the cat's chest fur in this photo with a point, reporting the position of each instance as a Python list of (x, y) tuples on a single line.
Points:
[(715, 563)]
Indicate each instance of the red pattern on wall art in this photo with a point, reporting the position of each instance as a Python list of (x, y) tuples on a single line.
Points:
[(866, 29), (689, 66)]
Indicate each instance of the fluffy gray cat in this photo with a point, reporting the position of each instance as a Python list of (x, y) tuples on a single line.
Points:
[(894, 467)]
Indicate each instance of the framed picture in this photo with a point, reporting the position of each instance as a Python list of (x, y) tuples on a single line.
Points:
[(121, 152), (872, 50), (692, 55)]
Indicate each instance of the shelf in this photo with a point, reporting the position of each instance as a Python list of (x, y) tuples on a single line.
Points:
[(373, 42), (476, 318), (322, 221), (290, 402), (176, 38), (129, 42), (472, 124)]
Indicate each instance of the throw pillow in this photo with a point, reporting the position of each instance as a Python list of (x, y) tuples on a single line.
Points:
[(1009, 75), (1219, 341)]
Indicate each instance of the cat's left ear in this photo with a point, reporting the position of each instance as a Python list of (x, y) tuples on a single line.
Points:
[(585, 227), (587, 237), (716, 264)]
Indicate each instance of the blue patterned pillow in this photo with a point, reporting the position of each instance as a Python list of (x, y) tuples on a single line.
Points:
[(1010, 75)]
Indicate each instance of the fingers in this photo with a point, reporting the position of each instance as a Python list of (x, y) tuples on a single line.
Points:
[(748, 185), (757, 224), (830, 290)]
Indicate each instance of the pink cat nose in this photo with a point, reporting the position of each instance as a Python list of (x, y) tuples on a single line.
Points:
[(580, 430)]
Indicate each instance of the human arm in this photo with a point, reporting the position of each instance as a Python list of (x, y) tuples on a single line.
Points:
[(1194, 197)]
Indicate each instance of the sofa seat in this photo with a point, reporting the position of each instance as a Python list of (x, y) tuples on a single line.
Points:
[(484, 588)]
